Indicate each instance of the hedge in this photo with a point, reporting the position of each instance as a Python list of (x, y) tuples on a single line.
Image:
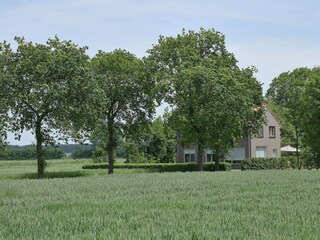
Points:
[(289, 162), (164, 167)]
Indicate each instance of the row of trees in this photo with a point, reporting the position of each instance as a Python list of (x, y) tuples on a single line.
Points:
[(30, 153), (295, 96), (58, 92)]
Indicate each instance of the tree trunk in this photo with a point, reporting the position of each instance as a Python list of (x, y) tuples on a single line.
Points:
[(297, 148), (317, 160), (216, 159), (110, 146), (200, 157), (39, 150)]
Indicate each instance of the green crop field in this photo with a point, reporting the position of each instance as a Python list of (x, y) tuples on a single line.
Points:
[(221, 205)]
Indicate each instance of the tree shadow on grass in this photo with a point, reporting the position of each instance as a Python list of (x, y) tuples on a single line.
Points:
[(49, 175)]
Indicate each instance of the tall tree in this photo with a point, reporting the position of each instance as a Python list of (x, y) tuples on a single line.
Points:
[(126, 94), (45, 85), (214, 102), (287, 92)]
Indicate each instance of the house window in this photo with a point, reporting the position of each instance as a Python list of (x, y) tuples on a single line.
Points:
[(261, 151), (274, 153), (272, 132), (260, 132), (209, 155), (238, 153), (189, 155)]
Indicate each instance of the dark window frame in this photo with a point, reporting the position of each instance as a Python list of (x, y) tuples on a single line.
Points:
[(189, 156), (272, 131)]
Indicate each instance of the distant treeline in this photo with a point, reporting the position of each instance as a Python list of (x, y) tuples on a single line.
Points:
[(28, 152), (76, 151), (67, 148)]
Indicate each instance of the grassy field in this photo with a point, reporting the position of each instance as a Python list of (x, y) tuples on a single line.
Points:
[(221, 205), (28, 168), (55, 168)]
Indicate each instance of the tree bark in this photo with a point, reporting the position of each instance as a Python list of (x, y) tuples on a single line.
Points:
[(110, 146), (216, 159), (200, 157), (39, 150), (297, 148)]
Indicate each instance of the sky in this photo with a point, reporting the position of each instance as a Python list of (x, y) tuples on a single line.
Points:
[(275, 36)]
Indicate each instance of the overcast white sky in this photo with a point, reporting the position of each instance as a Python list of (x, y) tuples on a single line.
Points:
[(273, 35)]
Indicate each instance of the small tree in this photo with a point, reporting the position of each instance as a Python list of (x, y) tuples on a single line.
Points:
[(46, 85), (125, 94)]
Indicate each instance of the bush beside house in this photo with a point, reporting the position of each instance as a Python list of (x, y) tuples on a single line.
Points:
[(288, 162)]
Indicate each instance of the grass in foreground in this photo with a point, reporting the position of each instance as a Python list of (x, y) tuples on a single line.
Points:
[(222, 205)]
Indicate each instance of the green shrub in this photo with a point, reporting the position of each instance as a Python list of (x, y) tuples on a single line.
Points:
[(164, 167), (99, 155), (288, 162)]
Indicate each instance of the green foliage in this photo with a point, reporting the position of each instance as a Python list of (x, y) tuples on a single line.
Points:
[(21, 154), (30, 153), (292, 93), (311, 118), (4, 99), (214, 102), (154, 144), (245, 205), (121, 151), (53, 153), (82, 153), (100, 144), (136, 152), (286, 93), (265, 163), (164, 167), (162, 143), (99, 155), (287, 162)]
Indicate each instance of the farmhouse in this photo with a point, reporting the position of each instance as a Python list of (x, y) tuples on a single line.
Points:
[(266, 144)]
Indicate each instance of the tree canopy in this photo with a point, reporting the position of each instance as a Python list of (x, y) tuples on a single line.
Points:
[(3, 97), (312, 115)]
